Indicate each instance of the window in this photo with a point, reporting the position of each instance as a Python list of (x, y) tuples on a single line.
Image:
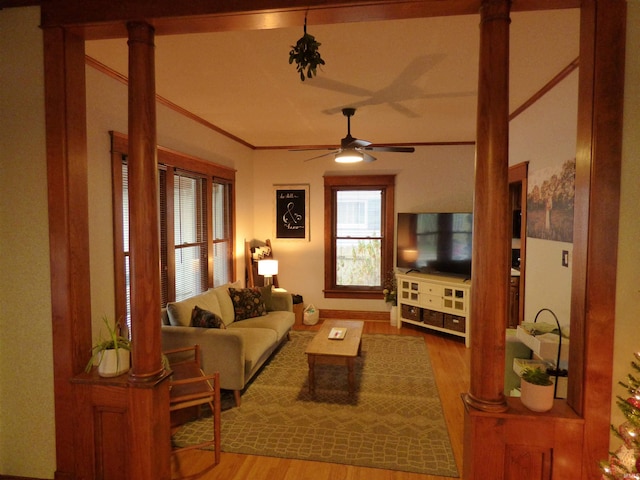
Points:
[(189, 235), (196, 225), (221, 243), (359, 226)]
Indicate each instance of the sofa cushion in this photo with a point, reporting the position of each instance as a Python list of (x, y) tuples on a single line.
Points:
[(226, 305), (280, 322), (247, 303), (205, 319), (266, 294), (180, 312), (257, 343), (281, 301)]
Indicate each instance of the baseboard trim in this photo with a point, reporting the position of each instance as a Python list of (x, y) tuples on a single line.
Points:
[(326, 314)]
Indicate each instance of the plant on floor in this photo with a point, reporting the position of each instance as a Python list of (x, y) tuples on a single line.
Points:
[(390, 289), (114, 341), (624, 463)]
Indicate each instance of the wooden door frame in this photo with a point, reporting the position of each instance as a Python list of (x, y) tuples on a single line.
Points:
[(519, 174), (67, 24)]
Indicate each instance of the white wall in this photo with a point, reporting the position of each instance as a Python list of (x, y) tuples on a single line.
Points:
[(27, 431), (545, 136), (431, 179)]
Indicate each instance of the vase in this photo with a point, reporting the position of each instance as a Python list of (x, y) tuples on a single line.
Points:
[(393, 319), (537, 398), (112, 363)]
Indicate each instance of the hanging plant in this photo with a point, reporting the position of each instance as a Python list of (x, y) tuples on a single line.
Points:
[(306, 55)]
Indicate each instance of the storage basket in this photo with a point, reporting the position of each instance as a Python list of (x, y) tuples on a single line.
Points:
[(454, 322), (411, 313), (431, 317)]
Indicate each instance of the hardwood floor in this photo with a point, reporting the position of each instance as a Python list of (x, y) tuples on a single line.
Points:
[(450, 362)]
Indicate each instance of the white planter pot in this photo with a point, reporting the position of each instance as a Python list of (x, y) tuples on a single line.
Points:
[(538, 398), (112, 365), (393, 316)]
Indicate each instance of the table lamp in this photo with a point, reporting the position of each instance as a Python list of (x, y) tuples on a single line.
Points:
[(268, 268)]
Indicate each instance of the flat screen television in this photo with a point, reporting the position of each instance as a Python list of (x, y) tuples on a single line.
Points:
[(435, 242)]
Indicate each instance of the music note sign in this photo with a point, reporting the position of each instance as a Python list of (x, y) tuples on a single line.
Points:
[(291, 211)]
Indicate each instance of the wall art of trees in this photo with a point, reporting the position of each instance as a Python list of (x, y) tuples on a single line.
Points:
[(550, 203)]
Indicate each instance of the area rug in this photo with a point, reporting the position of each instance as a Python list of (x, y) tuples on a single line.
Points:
[(394, 421)]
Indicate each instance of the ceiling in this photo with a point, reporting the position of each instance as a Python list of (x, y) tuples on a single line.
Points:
[(412, 81)]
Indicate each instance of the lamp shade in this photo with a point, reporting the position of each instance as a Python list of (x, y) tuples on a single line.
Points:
[(268, 268), (349, 156)]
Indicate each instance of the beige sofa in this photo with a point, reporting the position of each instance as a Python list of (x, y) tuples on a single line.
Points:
[(238, 351)]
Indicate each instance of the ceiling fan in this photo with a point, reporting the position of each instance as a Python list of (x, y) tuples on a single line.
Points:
[(354, 150)]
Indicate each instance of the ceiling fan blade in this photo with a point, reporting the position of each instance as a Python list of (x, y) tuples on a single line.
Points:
[(387, 148), (367, 157), (357, 143), (311, 149), (333, 152)]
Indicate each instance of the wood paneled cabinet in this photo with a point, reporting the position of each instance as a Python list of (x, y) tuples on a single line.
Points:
[(435, 302), (117, 422)]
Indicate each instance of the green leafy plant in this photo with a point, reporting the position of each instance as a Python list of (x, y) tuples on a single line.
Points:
[(115, 341), (536, 376), (306, 55), (390, 289)]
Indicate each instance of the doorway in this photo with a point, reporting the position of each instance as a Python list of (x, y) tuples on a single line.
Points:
[(518, 207)]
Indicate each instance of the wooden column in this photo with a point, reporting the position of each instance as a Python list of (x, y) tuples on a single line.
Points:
[(148, 399), (595, 237), (502, 439), (492, 222), (144, 235), (68, 230)]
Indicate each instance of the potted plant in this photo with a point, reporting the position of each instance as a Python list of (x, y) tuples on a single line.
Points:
[(390, 293), (536, 390), (112, 355), (306, 55)]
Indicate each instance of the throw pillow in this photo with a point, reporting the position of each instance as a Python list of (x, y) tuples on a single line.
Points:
[(224, 300), (205, 319), (247, 303)]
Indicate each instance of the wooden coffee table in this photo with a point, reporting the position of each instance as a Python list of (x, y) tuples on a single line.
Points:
[(325, 350)]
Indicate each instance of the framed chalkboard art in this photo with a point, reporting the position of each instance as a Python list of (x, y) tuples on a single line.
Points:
[(292, 211)]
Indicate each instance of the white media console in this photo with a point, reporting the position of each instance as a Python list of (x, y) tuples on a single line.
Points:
[(436, 302)]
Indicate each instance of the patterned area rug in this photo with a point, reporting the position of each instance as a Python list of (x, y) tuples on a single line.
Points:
[(394, 421)]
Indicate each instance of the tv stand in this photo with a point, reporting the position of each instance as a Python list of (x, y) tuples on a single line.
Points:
[(436, 302)]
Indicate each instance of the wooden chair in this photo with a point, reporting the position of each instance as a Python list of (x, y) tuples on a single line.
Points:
[(189, 388)]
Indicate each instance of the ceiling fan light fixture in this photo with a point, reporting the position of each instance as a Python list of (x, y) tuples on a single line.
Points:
[(353, 150), (349, 156)]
